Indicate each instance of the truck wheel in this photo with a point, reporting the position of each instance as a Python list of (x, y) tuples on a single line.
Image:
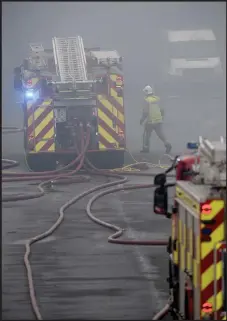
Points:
[(40, 162)]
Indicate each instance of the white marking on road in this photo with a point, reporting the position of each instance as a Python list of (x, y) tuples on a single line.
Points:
[(147, 268)]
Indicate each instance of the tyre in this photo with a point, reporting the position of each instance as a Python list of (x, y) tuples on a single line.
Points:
[(40, 162)]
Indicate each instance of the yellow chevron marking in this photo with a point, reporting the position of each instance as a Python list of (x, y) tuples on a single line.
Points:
[(30, 120), (38, 112), (113, 77), (34, 81), (111, 108), (49, 117), (113, 93), (49, 134), (208, 275), (219, 301), (40, 145), (51, 148), (218, 233), (106, 135), (105, 118), (46, 102), (213, 271), (218, 273), (101, 146)]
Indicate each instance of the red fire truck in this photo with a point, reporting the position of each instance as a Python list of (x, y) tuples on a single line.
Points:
[(67, 86), (197, 247)]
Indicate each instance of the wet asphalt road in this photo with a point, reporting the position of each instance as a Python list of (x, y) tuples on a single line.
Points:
[(77, 274)]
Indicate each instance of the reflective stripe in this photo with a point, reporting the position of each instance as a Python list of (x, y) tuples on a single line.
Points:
[(155, 115)]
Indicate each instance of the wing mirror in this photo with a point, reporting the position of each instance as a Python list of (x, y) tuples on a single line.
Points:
[(18, 83), (160, 201)]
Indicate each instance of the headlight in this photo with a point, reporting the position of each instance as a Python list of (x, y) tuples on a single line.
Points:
[(29, 94)]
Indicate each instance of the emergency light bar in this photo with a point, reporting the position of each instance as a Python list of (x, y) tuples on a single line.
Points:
[(192, 145)]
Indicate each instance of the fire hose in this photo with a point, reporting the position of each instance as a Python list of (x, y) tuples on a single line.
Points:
[(111, 239), (8, 163), (43, 175), (47, 175)]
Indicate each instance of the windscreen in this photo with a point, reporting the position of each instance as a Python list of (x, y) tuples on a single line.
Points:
[(193, 50)]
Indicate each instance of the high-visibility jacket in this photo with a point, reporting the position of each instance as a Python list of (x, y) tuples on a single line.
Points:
[(152, 111)]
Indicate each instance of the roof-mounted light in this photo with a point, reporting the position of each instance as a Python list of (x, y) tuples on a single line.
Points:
[(192, 145)]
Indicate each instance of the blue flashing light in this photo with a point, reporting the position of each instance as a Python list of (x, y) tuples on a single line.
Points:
[(29, 94), (206, 231), (192, 145)]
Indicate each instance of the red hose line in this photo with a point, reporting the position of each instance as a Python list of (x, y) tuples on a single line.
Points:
[(29, 174), (111, 239), (49, 232), (161, 314), (118, 230), (8, 163), (51, 179)]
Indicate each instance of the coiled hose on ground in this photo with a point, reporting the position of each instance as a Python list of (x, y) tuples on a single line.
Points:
[(47, 177), (55, 180)]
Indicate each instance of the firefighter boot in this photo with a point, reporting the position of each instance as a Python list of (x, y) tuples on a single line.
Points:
[(168, 148)]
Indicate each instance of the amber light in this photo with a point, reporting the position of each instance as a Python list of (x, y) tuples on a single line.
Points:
[(207, 308), (206, 208)]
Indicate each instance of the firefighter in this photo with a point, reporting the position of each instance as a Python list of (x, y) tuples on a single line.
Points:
[(152, 119)]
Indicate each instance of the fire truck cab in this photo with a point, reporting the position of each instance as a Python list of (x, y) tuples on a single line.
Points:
[(67, 86), (197, 246)]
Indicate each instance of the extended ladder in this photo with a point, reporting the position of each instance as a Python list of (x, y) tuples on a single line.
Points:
[(70, 59)]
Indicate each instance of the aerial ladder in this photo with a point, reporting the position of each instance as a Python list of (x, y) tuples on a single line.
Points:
[(70, 59)]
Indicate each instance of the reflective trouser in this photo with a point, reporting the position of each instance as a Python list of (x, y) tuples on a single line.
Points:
[(148, 128)]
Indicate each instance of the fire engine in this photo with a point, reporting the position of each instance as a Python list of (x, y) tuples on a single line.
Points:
[(67, 86), (197, 246)]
